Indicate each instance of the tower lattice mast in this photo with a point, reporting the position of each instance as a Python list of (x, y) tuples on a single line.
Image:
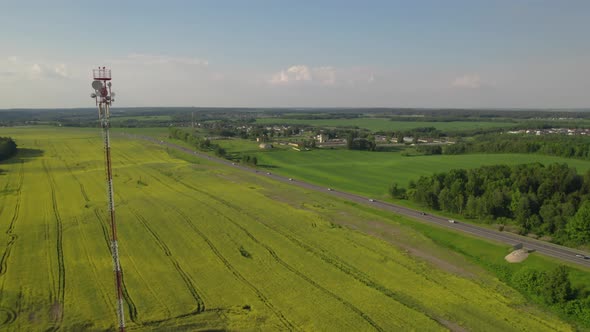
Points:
[(104, 97)]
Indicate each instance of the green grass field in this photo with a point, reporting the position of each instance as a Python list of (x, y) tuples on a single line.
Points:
[(377, 124), (209, 247), (371, 173)]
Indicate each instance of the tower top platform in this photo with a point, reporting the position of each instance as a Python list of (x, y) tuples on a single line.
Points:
[(102, 74)]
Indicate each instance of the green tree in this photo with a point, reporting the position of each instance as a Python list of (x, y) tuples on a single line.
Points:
[(7, 148), (528, 280), (397, 192), (350, 140), (446, 201), (578, 227), (556, 286), (522, 211), (471, 206), (220, 152)]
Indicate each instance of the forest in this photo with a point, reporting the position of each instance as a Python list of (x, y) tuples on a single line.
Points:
[(548, 201), (7, 148)]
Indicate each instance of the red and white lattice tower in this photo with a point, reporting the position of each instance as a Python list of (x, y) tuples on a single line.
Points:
[(104, 97)]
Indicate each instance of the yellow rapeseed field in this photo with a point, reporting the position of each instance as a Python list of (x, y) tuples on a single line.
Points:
[(205, 246)]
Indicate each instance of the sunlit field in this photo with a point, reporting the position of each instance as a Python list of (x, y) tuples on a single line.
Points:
[(205, 246)]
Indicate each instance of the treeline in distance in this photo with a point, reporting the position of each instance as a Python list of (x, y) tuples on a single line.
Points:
[(554, 145)]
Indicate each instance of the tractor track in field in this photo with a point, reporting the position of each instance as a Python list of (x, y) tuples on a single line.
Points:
[(228, 265), (423, 275), (333, 261), (59, 300), (10, 313), (344, 267), (82, 189), (273, 254), (235, 272), (312, 282), (93, 266), (188, 281), (9, 231), (6, 190), (121, 155), (288, 324), (133, 312), (281, 262), (10, 316), (336, 263), (130, 304)]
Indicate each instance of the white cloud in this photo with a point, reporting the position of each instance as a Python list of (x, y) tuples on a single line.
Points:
[(301, 73), (18, 68), (42, 71), (293, 73), (468, 81), (151, 59)]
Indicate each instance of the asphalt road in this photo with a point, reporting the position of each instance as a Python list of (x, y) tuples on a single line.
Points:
[(545, 248)]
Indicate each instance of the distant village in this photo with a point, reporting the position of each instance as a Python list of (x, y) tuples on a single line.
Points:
[(304, 138), (552, 131)]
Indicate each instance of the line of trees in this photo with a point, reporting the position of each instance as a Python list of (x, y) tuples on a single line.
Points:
[(554, 145), (7, 148), (551, 201), (199, 143), (420, 132)]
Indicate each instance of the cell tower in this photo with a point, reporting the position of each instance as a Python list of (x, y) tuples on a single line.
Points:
[(104, 97)]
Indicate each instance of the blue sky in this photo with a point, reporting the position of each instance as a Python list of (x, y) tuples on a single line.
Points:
[(298, 53)]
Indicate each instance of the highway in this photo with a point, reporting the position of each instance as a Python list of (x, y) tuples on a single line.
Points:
[(549, 249)]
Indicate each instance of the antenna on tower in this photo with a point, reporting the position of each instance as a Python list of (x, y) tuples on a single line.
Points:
[(104, 97)]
